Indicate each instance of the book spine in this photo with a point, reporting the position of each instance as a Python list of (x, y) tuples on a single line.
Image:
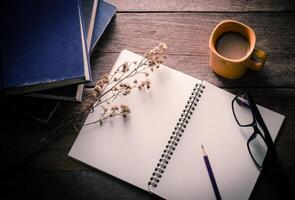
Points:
[(87, 69), (91, 24), (177, 133)]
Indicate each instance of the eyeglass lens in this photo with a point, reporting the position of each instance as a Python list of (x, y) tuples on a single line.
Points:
[(257, 148), (242, 111)]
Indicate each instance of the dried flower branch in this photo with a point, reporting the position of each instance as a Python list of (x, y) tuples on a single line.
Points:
[(110, 86)]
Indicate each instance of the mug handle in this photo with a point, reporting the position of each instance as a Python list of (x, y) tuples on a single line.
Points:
[(257, 59)]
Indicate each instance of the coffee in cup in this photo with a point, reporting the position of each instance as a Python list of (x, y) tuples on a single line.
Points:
[(232, 45)]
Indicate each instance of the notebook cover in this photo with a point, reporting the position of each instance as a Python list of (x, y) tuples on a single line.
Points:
[(42, 45)]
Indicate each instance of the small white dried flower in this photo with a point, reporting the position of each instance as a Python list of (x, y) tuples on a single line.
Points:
[(163, 46)]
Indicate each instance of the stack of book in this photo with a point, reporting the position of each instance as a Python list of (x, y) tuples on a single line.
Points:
[(46, 47)]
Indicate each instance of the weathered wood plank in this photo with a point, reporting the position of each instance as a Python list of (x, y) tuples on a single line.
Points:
[(187, 36), (188, 33), (68, 185), (21, 136), (97, 185), (276, 73), (275, 184), (280, 100), (203, 6)]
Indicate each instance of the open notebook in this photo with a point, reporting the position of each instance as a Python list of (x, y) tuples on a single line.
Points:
[(131, 148)]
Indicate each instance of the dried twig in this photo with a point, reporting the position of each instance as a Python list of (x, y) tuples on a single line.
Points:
[(116, 84)]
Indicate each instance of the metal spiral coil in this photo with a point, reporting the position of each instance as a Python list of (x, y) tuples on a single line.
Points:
[(176, 135)]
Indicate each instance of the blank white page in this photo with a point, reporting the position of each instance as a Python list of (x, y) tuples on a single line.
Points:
[(130, 148), (213, 125)]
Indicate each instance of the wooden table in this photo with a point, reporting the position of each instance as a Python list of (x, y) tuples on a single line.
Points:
[(31, 169)]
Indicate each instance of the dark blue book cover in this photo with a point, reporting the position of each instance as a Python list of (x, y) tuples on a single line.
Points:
[(43, 45), (89, 13), (87, 6), (105, 13)]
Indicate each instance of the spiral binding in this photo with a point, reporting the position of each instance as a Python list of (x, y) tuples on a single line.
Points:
[(176, 135)]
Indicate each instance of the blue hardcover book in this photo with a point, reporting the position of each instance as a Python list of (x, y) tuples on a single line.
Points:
[(105, 13), (74, 92), (89, 13), (43, 45)]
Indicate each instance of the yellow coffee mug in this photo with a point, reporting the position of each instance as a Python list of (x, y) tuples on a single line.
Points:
[(235, 68)]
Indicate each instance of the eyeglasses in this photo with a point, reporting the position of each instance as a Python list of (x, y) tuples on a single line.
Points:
[(248, 116)]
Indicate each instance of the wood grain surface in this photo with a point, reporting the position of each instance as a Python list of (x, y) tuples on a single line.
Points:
[(34, 161), (204, 6), (187, 36)]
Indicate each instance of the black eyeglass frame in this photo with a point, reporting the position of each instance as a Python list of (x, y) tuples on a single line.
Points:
[(257, 119)]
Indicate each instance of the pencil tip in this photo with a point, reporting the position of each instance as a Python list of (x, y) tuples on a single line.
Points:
[(203, 150)]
